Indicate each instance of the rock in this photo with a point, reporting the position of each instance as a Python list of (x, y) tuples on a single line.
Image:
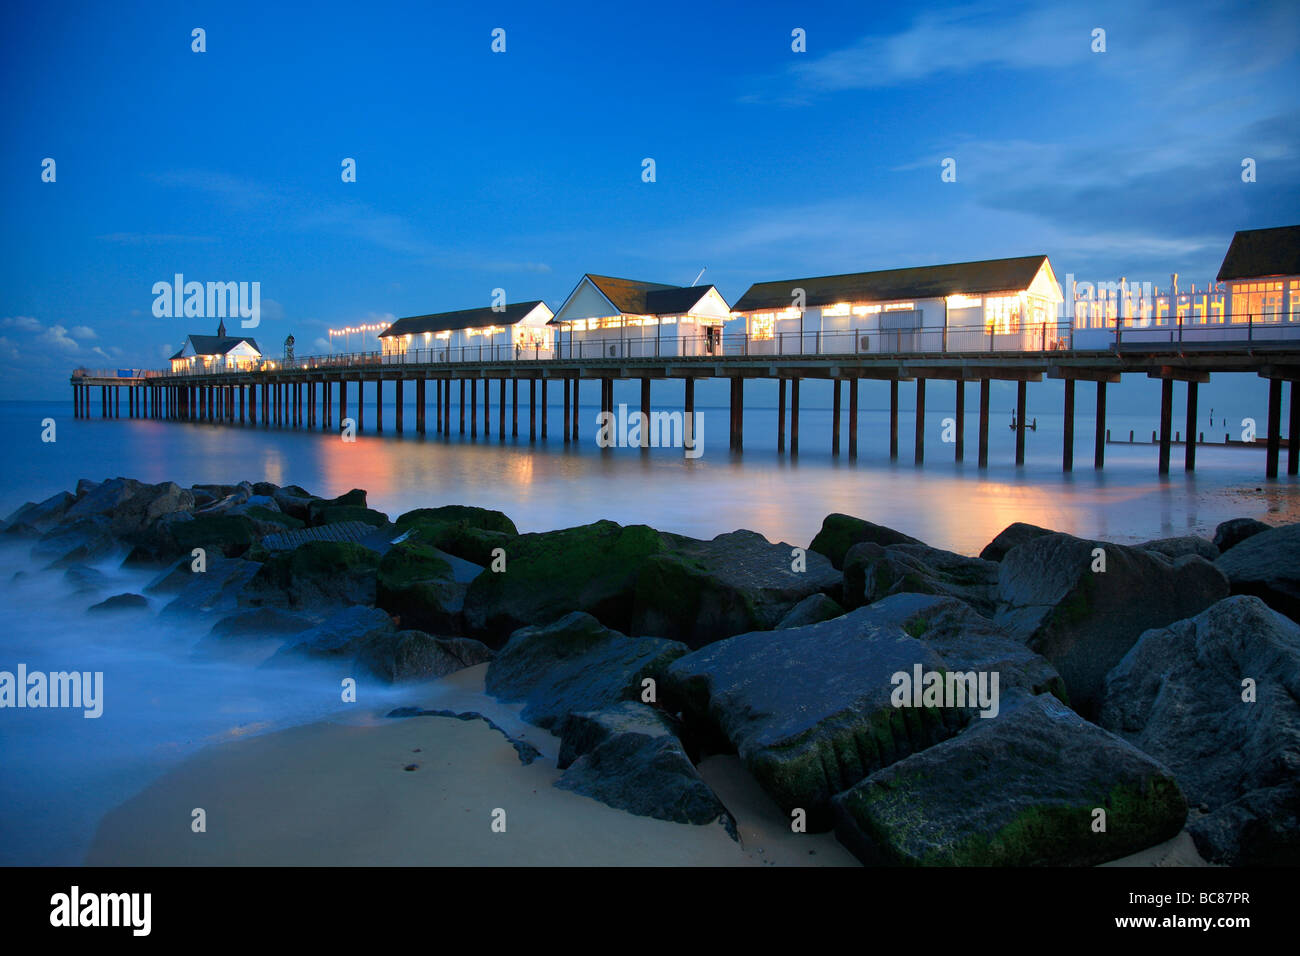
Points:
[(591, 568), (265, 489), (841, 532), (269, 521), (216, 590), (262, 622), (1177, 695), (341, 636), (811, 610), (131, 506), (356, 498), (809, 710), (627, 757), (1012, 536), (120, 602), (1267, 565), (872, 572), (1183, 545), (1085, 621), (417, 585), (84, 579), (474, 545), (294, 501), (105, 498), (337, 514), (1019, 789), (415, 655), (1231, 533), (317, 574), (575, 664), (76, 541), (176, 536), (33, 519), (702, 591), (85, 486), (481, 518)]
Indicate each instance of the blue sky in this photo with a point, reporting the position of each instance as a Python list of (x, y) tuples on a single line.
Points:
[(522, 170)]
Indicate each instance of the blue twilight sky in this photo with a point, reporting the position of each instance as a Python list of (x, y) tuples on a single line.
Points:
[(522, 170)]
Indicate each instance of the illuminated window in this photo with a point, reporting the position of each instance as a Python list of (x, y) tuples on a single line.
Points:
[(762, 326), (1002, 313), (840, 308), (900, 307), (965, 301)]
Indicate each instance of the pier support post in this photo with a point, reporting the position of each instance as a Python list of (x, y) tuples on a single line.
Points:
[(1067, 443), (398, 405), (794, 417), (835, 417), (780, 415), (546, 382), (532, 409), (487, 408), (1099, 441), (567, 408), (1189, 450), (1292, 439), (343, 400), (419, 406), (438, 399), (379, 404), (1022, 388), (853, 419), (1166, 422), (576, 406), (242, 399), (893, 419), (983, 439), (960, 421), (514, 408), (461, 406), (920, 420), (501, 411), (473, 407), (1274, 426), (689, 405), (645, 412)]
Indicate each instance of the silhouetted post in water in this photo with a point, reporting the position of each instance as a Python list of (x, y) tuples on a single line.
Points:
[(501, 411), (835, 417), (893, 418), (920, 420), (794, 417), (267, 403), (689, 404), (545, 382), (532, 409), (780, 414), (645, 412), (379, 404), (241, 404), (327, 405), (514, 408), (960, 416), (1166, 421), (1021, 388), (853, 419), (1099, 442), (437, 406), (1189, 450), (487, 407), (473, 407), (397, 405), (461, 406), (311, 404), (117, 402), (576, 381), (737, 404), (1292, 442), (567, 409), (1067, 445), (419, 406), (361, 403), (1274, 425), (343, 400)]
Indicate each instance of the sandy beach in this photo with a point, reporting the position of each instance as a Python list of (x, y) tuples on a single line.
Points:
[(341, 794)]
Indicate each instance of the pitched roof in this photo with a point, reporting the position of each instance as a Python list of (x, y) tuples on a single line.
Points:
[(648, 298), (1262, 252), (920, 282), (217, 344), (480, 318)]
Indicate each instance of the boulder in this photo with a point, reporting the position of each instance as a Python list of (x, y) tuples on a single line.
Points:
[(84, 579), (76, 541), (873, 572), (417, 585), (1012, 536), (415, 655), (131, 506), (342, 636), (813, 609), (177, 535), (216, 590), (591, 568), (575, 664), (1267, 565), (702, 591), (337, 514), (356, 498), (627, 757), (1084, 621), (1178, 696), (314, 575), (259, 623), (841, 532), (1183, 545), (32, 519), (294, 501), (1020, 789), (120, 602), (1231, 533), (481, 518)]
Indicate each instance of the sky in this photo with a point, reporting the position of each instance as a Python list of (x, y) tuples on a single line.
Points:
[(522, 170)]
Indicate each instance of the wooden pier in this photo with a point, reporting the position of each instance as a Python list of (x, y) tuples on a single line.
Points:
[(320, 392)]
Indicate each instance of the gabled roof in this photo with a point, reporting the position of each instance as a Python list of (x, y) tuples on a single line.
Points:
[(217, 344), (480, 318), (633, 297), (180, 353), (1262, 252), (920, 282)]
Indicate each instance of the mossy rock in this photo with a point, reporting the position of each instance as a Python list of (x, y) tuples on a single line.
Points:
[(416, 584), (231, 535), (317, 573), (841, 532), (591, 568), (356, 498), (337, 514), (467, 515), (264, 514), (476, 545)]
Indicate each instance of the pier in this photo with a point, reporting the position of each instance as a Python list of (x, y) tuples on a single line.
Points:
[(319, 392)]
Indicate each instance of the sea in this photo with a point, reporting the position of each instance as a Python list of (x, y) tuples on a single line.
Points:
[(165, 697)]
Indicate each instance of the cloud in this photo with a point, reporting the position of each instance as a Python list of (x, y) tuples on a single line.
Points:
[(82, 332), (24, 322), (322, 345), (57, 335)]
